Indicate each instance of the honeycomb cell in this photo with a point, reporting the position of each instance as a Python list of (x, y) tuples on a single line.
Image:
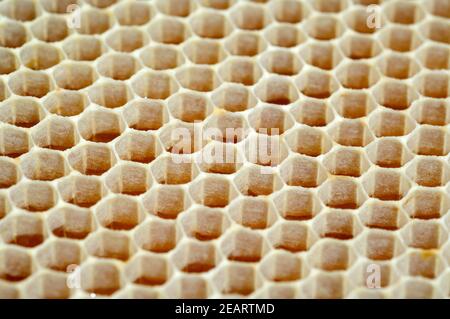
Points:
[(388, 152), (226, 127), (233, 98), (416, 289), (94, 21), (145, 115), (292, 236), (133, 13), (358, 47), (50, 28), (189, 107), (302, 171), (141, 147), (380, 244), (23, 230), (74, 75), (154, 85), (59, 255), (198, 78), (189, 287), (195, 257), (426, 204), (324, 27), (12, 34), (210, 25), (364, 21), (331, 255), (250, 17), (420, 264), (126, 39), (286, 36), (14, 141), (383, 215), (245, 43), (271, 120), (65, 103), (179, 8), (40, 56), (44, 165), (100, 126), (22, 112), (157, 236), (400, 38), (118, 66), (57, 6), (10, 62), (434, 85), (83, 48), (346, 161), (168, 30), (119, 213), (281, 62), (312, 112), (430, 172), (15, 264), (329, 6), (429, 140), (282, 267), (55, 133), (148, 270), (276, 90), (204, 223), (435, 57), (390, 123), (83, 191), (212, 191), (254, 181), (424, 234), (357, 75), (291, 11), (91, 158), (317, 84), (129, 179), (395, 95), (10, 173), (109, 244), (243, 245), (437, 30), (431, 112), (30, 83), (351, 132), (265, 150), (297, 204), (398, 66), (386, 184), (337, 224), (255, 213), (47, 285), (71, 222), (240, 70), (101, 3), (24, 10), (342, 192), (166, 201), (404, 12), (102, 278), (327, 285)]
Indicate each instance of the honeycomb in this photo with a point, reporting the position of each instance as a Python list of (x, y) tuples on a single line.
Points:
[(92, 176)]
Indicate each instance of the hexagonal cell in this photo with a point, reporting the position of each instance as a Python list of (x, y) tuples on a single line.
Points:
[(271, 120), (40, 56), (91, 158), (429, 140), (431, 111), (157, 236), (14, 34), (386, 184), (133, 13), (71, 222), (282, 266), (35, 196), (100, 125), (276, 90), (4, 92), (168, 30), (15, 264), (10, 174), (379, 244), (237, 279), (351, 132), (101, 3), (50, 28), (416, 289), (426, 204), (391, 123), (353, 104), (312, 112), (218, 4), (388, 152), (179, 8), (74, 75), (245, 43), (436, 30), (302, 171), (317, 84), (30, 83), (255, 213), (326, 285), (361, 276), (254, 180), (110, 94), (281, 62), (400, 38), (181, 138), (438, 8), (383, 215), (168, 170), (24, 10), (109, 244), (220, 158), (22, 112), (338, 224), (244, 245), (395, 94), (430, 172), (422, 264), (145, 115), (398, 66), (324, 27), (213, 191), (189, 287), (149, 270), (286, 36), (83, 48), (101, 277), (357, 75), (342, 192), (325, 56), (14, 141), (161, 57), (94, 21), (65, 102), (292, 236), (424, 234), (233, 98), (225, 127), (126, 39), (297, 204), (358, 47), (435, 57), (44, 165), (210, 25), (204, 223), (404, 12), (265, 150), (83, 191), (250, 16), (291, 11), (364, 21), (189, 107), (166, 201), (434, 84), (154, 85), (118, 66), (141, 147), (279, 291), (119, 213), (23, 230), (58, 255), (195, 257), (128, 178), (10, 61), (240, 70), (346, 161), (331, 255), (47, 285)]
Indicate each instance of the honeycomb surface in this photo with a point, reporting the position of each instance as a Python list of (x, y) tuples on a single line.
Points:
[(91, 173)]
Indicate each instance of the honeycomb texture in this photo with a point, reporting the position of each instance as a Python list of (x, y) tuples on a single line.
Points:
[(89, 174)]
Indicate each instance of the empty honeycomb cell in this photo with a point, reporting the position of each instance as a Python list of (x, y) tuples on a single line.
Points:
[(357, 75), (245, 43), (204, 52), (240, 70), (354, 104), (154, 85), (198, 78), (91, 158), (364, 21), (422, 264), (398, 66), (330, 6), (166, 201), (255, 213), (189, 287), (431, 111), (220, 158), (281, 62), (47, 285), (161, 57), (149, 270), (204, 223), (4, 93), (34, 196), (218, 4), (9, 175), (297, 204), (15, 264), (435, 57), (243, 245), (181, 138), (424, 234), (101, 3), (331, 255), (40, 56), (10, 62), (128, 178), (380, 244), (30, 83), (342, 192), (281, 267), (74, 75), (210, 25), (390, 123), (351, 132), (302, 171), (141, 147), (226, 127), (358, 47), (189, 107), (322, 55), (83, 48), (395, 94), (338, 224), (213, 191), (429, 140), (265, 150), (253, 181), (102, 278), (386, 184), (58, 255), (100, 126), (65, 103), (44, 165), (56, 133), (94, 21), (383, 215), (233, 98), (346, 161), (133, 13), (118, 66), (439, 8), (179, 8), (291, 11), (291, 236), (13, 141), (168, 30), (437, 30), (4, 205), (195, 257), (400, 38), (416, 289), (12, 34), (157, 236), (324, 27), (57, 6), (280, 291), (237, 279), (50, 28), (286, 36), (434, 85), (326, 285), (388, 276), (22, 112), (276, 90), (83, 191), (119, 213), (388, 152), (430, 172), (145, 115), (109, 244), (168, 170), (312, 112), (71, 222), (271, 120), (404, 12), (24, 10), (426, 204), (317, 84), (23, 230), (126, 39), (250, 17)]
